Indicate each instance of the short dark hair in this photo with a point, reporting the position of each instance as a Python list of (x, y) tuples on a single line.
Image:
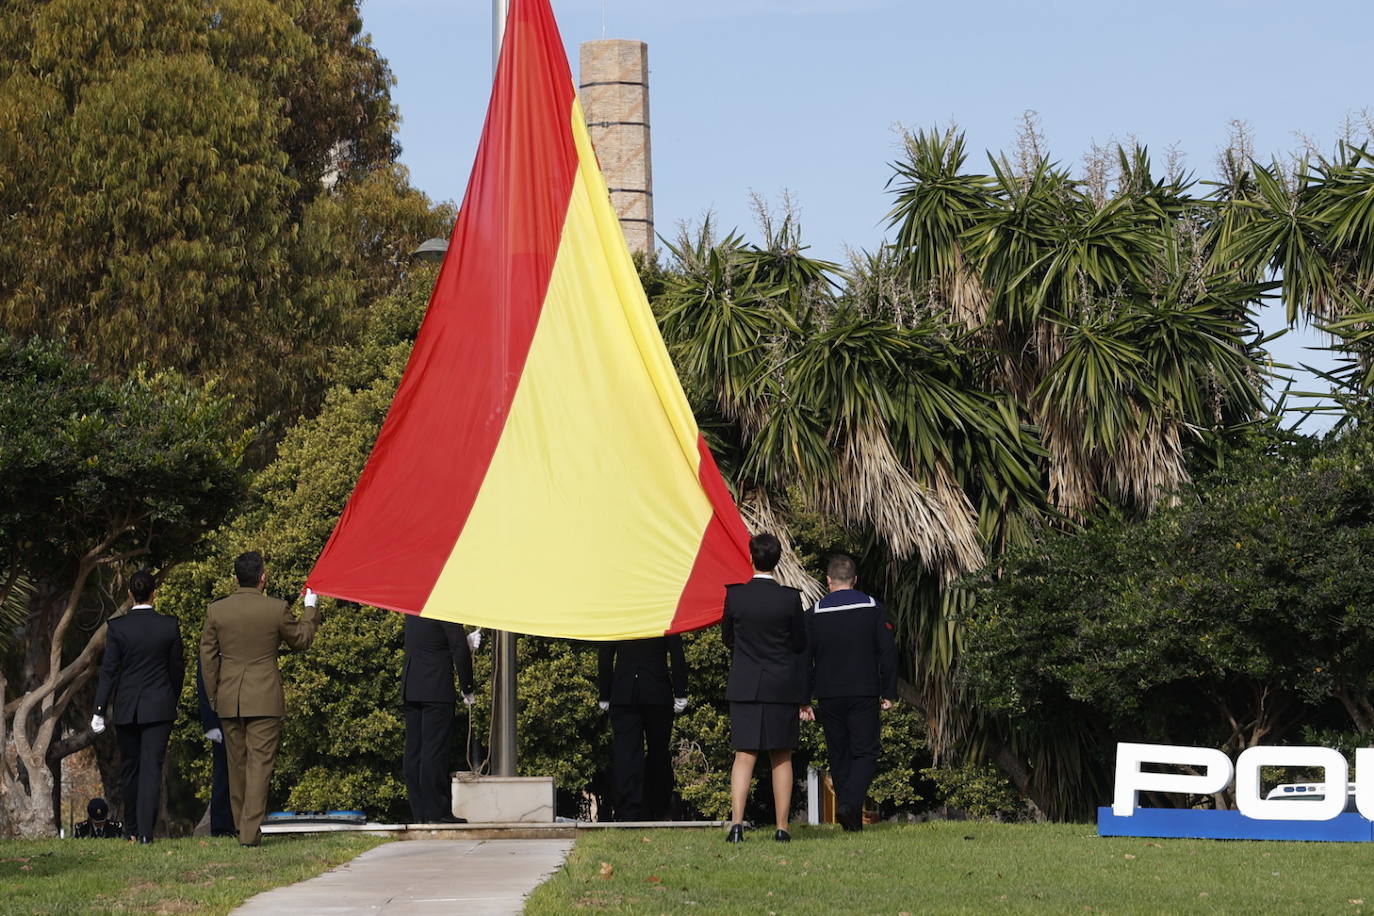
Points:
[(764, 551), (97, 809), (248, 568), (842, 568), (141, 585)]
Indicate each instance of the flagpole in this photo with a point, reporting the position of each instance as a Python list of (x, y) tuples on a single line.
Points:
[(503, 699), (499, 8)]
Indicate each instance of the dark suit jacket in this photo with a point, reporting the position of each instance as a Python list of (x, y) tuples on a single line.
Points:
[(852, 652), (764, 627), (636, 671), (434, 648), (143, 667)]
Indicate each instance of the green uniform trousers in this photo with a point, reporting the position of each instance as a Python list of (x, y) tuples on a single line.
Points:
[(251, 745)]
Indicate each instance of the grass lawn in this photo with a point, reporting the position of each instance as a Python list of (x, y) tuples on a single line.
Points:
[(170, 876), (953, 867)]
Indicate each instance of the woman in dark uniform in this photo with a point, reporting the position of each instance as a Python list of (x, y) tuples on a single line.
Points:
[(764, 628)]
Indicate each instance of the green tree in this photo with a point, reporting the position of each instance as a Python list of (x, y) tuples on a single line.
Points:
[(173, 176), (341, 741), (1236, 617), (96, 479)]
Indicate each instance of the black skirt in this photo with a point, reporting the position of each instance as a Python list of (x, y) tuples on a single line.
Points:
[(763, 726)]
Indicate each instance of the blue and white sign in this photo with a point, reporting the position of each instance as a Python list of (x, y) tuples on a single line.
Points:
[(1300, 814)]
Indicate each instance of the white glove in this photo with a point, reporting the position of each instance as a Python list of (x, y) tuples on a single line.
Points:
[(215, 735), (469, 699), (679, 704), (603, 705), (97, 724), (475, 640), (311, 599)]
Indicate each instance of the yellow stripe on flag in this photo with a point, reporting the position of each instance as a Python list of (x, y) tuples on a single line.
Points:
[(593, 488)]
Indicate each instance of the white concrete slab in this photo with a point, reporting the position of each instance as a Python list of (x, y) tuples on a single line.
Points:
[(503, 799), (422, 878)]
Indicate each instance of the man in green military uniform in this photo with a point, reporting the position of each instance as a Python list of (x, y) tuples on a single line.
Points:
[(238, 657)]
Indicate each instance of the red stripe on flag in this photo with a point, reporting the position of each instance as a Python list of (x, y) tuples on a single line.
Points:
[(420, 483), (722, 557)]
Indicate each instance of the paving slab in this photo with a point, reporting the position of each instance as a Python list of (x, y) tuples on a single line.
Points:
[(422, 878)]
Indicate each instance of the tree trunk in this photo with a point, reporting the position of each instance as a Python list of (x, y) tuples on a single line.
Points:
[(1358, 708), (107, 760), (31, 741), (1020, 775), (28, 809), (30, 736)]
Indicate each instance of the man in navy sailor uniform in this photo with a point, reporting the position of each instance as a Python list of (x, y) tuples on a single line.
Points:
[(221, 811), (853, 674)]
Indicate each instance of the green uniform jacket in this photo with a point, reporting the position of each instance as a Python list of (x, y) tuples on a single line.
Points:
[(238, 651)]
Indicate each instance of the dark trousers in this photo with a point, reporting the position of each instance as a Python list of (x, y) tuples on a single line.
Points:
[(851, 743), (142, 751), (643, 771), (221, 812), (429, 747)]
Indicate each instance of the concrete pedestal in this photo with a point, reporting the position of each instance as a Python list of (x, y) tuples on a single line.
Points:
[(503, 799)]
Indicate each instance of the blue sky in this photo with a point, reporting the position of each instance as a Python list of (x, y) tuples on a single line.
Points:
[(806, 97)]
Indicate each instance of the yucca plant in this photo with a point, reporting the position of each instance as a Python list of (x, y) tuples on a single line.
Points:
[(1114, 338)]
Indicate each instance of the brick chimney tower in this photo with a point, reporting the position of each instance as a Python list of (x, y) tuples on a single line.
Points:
[(615, 101)]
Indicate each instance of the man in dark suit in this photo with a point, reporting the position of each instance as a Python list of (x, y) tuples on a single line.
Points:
[(221, 812), (635, 685), (143, 668), (853, 672), (434, 650), (238, 656)]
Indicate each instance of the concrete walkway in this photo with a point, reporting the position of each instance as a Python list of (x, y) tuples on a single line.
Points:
[(422, 877)]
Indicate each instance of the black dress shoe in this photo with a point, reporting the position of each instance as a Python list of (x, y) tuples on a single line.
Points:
[(736, 834), (145, 840), (450, 819), (782, 836)]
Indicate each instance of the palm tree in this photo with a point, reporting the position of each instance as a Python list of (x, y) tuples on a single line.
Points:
[(1311, 230), (1116, 341), (1026, 351), (835, 392), (844, 394)]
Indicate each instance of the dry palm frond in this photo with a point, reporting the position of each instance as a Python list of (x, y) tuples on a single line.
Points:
[(933, 519), (1144, 466), (1148, 467), (751, 415), (759, 515), (1073, 478), (968, 298), (1022, 358)]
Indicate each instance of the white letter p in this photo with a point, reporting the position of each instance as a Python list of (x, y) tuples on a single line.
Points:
[(1215, 765)]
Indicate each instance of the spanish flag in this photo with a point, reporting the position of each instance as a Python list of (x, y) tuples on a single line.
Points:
[(540, 470)]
